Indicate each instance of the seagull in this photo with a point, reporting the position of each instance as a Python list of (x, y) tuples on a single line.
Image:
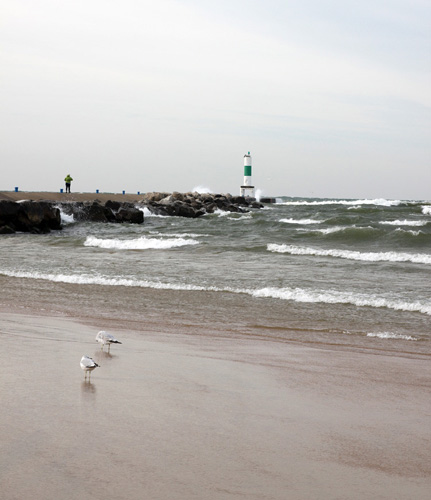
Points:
[(88, 365), (106, 338)]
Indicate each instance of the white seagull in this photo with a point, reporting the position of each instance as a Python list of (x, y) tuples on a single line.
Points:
[(88, 365), (106, 338)]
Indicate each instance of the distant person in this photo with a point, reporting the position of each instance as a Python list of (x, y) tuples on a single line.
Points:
[(68, 180)]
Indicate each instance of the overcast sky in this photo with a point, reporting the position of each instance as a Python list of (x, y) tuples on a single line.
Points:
[(331, 97)]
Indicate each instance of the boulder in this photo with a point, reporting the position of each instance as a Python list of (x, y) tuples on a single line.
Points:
[(29, 216), (154, 197), (131, 215), (96, 212)]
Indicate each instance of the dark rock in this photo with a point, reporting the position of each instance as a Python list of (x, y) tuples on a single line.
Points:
[(131, 215), (29, 216), (185, 210), (42, 215), (113, 205), (6, 230), (240, 200), (9, 209), (256, 204)]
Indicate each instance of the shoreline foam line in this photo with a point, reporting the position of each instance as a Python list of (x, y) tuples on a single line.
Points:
[(289, 294)]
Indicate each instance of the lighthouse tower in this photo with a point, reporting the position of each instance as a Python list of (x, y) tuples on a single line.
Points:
[(247, 189)]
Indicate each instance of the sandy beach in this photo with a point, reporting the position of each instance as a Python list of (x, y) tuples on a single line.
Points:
[(196, 417)]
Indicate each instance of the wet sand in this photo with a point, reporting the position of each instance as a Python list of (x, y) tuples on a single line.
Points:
[(50, 196), (194, 417)]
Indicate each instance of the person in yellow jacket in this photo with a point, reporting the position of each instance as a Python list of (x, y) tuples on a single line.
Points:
[(68, 180)]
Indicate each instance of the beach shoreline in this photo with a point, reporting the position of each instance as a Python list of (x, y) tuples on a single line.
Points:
[(182, 416)]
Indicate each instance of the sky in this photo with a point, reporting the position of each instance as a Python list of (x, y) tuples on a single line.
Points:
[(331, 97)]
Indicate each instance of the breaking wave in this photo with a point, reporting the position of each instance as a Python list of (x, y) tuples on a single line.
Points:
[(142, 243), (378, 201), (352, 254), (289, 294), (85, 279), (335, 297), (404, 222), (301, 221)]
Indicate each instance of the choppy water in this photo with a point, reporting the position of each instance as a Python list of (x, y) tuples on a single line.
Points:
[(348, 272)]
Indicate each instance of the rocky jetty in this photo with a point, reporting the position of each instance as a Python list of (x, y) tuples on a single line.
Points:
[(44, 216), (195, 204)]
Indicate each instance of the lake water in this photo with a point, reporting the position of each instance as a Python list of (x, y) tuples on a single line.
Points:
[(354, 273)]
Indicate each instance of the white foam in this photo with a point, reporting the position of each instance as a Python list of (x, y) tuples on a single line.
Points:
[(66, 219), (85, 279), (336, 297), (290, 294), (378, 201), (409, 231), (426, 209), (335, 229), (221, 213), (404, 222), (240, 217), (352, 255), (142, 243), (148, 213), (178, 235), (301, 221), (389, 335)]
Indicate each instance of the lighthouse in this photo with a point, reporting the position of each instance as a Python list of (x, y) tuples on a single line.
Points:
[(247, 189)]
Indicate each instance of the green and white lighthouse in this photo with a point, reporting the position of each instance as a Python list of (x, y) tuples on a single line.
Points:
[(247, 189)]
